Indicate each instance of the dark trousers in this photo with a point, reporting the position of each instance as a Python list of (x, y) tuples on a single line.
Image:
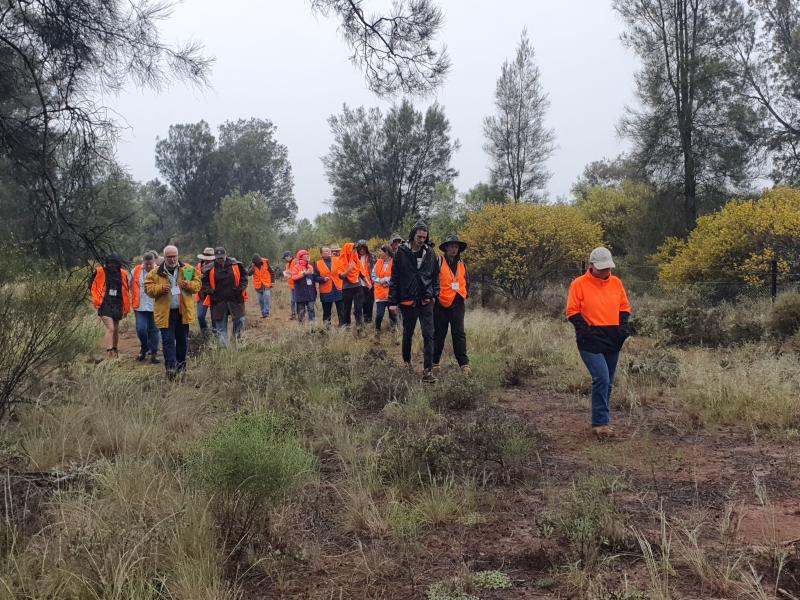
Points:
[(451, 317), (369, 300), (175, 342), (380, 310), (353, 300), (146, 331), (425, 316), (327, 310), (306, 307)]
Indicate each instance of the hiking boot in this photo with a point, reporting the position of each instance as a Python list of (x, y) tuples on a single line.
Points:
[(428, 376), (154, 360), (465, 370), (604, 431), (293, 318), (142, 355)]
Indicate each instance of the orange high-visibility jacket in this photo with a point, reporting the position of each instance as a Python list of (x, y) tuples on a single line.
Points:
[(261, 276), (289, 267), (383, 269), (349, 255), (212, 281), (598, 301), (99, 290), (333, 274), (452, 284)]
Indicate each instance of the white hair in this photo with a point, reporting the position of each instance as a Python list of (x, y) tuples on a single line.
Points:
[(170, 247)]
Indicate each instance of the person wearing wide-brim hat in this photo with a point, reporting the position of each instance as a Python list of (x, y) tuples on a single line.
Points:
[(451, 306), (206, 262), (598, 308)]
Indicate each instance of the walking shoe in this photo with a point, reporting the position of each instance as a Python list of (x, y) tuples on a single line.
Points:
[(142, 355), (154, 360), (465, 370), (436, 368), (428, 377), (293, 318)]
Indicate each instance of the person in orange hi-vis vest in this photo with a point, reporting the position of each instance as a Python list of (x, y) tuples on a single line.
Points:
[(598, 308), (368, 288), (450, 309), (142, 304), (289, 262), (262, 275), (225, 286), (381, 277), (352, 273), (330, 291), (111, 298)]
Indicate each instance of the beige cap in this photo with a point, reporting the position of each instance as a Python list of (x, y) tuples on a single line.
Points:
[(601, 258)]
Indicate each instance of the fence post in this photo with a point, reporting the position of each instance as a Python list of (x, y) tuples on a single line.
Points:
[(773, 271)]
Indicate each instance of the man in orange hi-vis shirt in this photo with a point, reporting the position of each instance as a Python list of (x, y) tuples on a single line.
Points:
[(598, 308)]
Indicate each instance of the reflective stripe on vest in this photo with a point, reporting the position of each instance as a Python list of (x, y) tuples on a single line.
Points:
[(449, 285), (382, 269)]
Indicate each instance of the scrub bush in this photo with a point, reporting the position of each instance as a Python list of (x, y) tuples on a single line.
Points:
[(459, 393), (784, 318)]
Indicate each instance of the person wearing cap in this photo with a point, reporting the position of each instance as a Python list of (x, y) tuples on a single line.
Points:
[(598, 308), (450, 309), (330, 287), (206, 262), (110, 296), (414, 287), (289, 262), (367, 291), (394, 243), (225, 286), (173, 286), (381, 276), (262, 275), (305, 280), (142, 304)]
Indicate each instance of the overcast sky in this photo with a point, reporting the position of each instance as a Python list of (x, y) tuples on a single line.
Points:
[(276, 60)]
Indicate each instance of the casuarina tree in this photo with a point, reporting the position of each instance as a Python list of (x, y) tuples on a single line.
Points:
[(517, 139)]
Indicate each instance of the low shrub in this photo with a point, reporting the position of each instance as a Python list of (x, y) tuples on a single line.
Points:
[(500, 440), (784, 318), (654, 367), (691, 324), (411, 457), (516, 369), (459, 393)]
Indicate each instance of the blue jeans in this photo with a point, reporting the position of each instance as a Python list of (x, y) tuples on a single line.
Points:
[(147, 331), (380, 311), (302, 307), (602, 368), (221, 327), (175, 342), (202, 311), (264, 296)]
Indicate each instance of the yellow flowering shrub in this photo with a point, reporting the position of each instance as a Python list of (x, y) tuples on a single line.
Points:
[(517, 246), (738, 242)]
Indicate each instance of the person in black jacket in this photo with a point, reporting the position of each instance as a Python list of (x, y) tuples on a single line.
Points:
[(226, 283), (413, 289)]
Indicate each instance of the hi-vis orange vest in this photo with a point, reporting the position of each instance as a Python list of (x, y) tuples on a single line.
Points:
[(262, 277), (136, 289), (212, 280), (451, 285), (99, 290), (382, 269), (333, 273)]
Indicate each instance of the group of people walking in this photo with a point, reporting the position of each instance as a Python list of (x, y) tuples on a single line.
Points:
[(408, 281)]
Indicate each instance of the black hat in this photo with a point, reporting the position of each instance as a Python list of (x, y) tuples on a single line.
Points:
[(452, 239), (220, 251), (286, 255), (114, 258), (257, 259)]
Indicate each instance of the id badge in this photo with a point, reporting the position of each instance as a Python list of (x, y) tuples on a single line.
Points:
[(176, 291), (455, 286), (308, 281), (112, 292)]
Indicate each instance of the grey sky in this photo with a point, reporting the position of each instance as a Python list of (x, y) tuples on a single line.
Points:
[(276, 60)]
